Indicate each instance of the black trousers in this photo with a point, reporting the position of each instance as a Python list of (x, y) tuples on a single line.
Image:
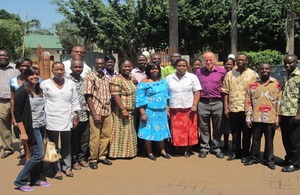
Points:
[(290, 132), (80, 137), (237, 121), (259, 129)]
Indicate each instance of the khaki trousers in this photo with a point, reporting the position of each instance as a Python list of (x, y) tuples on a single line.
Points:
[(99, 138), (5, 126)]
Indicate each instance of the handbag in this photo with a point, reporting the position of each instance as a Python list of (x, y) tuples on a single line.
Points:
[(51, 154)]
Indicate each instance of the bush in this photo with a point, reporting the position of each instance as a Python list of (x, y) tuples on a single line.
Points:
[(267, 56)]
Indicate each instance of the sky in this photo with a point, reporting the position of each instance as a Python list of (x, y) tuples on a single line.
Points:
[(41, 10)]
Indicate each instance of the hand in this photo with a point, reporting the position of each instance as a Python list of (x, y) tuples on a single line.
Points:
[(194, 108), (125, 113), (275, 125), (13, 121), (75, 121), (226, 112), (144, 118), (97, 119), (297, 118), (24, 138), (249, 124)]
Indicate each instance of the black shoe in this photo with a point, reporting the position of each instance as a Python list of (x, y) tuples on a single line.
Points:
[(220, 155), (231, 157), (151, 157), (271, 166), (283, 163), (244, 159), (93, 165), (202, 154), (105, 161), (6, 154), (21, 155), (250, 162), (289, 168), (166, 155)]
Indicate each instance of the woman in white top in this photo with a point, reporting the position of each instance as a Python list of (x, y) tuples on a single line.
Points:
[(184, 89), (61, 107)]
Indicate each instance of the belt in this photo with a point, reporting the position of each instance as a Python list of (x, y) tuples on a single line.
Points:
[(4, 100), (209, 100)]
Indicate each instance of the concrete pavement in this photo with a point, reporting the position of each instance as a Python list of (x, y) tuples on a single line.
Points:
[(178, 175)]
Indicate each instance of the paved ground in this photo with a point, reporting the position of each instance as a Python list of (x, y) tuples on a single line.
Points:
[(176, 176)]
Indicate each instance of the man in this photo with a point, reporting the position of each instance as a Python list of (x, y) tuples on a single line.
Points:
[(139, 72), (234, 90), (157, 59), (170, 69), (210, 106), (109, 70), (7, 71), (261, 108), (80, 134), (290, 114), (97, 95), (77, 53)]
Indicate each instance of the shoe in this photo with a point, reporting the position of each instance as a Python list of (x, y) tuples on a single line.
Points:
[(283, 163), (288, 168), (105, 161), (166, 155), (26, 188), (220, 155), (151, 157), (186, 154), (76, 166), (21, 155), (84, 163), (250, 162), (69, 173), (43, 184), (202, 154), (271, 166), (6, 154), (58, 176), (231, 157), (244, 159), (93, 165)]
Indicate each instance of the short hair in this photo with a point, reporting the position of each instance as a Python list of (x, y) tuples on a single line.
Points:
[(195, 60), (57, 63), (150, 66), (109, 57), (20, 61), (242, 54), (180, 60), (227, 59)]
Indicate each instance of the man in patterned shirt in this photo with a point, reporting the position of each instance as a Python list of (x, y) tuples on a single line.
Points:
[(261, 109), (234, 89), (80, 134), (97, 95), (290, 114)]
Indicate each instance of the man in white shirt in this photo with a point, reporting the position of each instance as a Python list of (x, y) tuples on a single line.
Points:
[(77, 53)]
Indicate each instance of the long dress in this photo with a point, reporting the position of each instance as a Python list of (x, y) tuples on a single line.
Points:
[(123, 143), (153, 96)]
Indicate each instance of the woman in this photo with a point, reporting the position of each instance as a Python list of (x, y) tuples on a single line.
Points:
[(151, 96), (109, 70), (15, 83), (184, 88), (30, 117), (61, 109), (196, 64), (228, 64), (123, 143)]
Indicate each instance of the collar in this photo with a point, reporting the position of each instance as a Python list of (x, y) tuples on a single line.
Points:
[(9, 66)]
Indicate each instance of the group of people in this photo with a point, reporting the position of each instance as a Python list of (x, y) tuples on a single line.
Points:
[(102, 115)]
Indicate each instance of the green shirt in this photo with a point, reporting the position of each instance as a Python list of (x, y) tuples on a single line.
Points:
[(168, 70), (290, 93)]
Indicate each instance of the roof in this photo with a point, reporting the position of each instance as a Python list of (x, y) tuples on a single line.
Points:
[(45, 41)]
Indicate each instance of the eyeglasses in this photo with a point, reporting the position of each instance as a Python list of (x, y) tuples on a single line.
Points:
[(81, 52)]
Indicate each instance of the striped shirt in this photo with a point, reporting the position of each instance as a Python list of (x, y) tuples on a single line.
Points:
[(5, 75), (98, 86)]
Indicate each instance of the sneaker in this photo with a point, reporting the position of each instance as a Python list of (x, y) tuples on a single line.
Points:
[(26, 188)]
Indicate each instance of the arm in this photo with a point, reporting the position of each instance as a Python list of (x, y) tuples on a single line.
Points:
[(19, 103), (226, 109), (12, 102), (195, 101), (248, 108), (89, 100), (143, 114), (119, 103)]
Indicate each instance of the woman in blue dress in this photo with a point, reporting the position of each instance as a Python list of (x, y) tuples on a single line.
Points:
[(151, 99)]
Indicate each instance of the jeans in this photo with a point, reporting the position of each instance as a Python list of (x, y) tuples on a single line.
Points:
[(32, 166)]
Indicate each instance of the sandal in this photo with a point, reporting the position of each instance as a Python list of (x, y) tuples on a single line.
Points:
[(58, 176), (76, 166), (69, 173), (186, 154), (84, 163), (26, 188)]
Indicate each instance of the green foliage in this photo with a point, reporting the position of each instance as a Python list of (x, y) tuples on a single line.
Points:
[(267, 56)]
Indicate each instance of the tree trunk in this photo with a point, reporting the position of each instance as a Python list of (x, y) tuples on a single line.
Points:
[(234, 38), (173, 26), (290, 28)]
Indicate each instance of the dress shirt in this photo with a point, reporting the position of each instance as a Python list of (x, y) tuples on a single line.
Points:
[(6, 74), (109, 76), (262, 101), (138, 74), (182, 90), (235, 85), (290, 94), (211, 82)]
